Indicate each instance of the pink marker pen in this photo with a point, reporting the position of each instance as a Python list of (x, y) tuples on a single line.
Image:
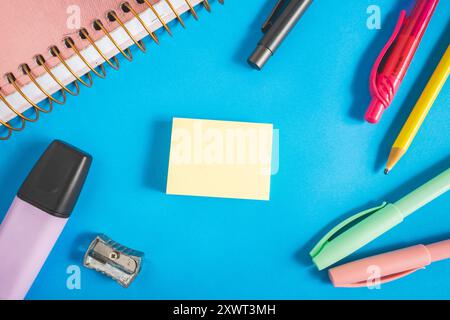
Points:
[(389, 266), (395, 59), (38, 215)]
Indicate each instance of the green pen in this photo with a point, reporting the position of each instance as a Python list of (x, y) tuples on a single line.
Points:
[(338, 244)]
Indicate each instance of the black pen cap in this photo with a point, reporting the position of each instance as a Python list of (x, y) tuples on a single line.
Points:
[(55, 182)]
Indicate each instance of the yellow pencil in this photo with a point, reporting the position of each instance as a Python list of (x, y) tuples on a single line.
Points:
[(420, 111)]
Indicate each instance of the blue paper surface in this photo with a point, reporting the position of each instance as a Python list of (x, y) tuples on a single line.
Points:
[(314, 90)]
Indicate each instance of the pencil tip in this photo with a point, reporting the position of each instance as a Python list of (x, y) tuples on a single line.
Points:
[(395, 155)]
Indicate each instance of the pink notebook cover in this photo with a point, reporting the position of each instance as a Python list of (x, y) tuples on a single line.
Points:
[(31, 27)]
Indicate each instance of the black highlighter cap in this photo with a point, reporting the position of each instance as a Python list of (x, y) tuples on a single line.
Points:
[(56, 180)]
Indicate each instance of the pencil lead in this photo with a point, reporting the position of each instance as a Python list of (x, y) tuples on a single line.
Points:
[(386, 171)]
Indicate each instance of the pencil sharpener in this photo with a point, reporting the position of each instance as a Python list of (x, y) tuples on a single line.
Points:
[(114, 260)]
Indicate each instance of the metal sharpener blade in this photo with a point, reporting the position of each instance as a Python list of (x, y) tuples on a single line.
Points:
[(114, 260)]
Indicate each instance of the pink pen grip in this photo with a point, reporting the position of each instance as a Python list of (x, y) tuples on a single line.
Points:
[(396, 57), (27, 235)]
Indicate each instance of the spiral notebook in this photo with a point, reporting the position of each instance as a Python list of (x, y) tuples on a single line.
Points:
[(61, 45)]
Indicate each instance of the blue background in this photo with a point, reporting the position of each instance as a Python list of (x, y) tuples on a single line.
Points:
[(315, 91)]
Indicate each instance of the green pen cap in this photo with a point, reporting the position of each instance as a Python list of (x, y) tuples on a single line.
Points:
[(362, 228), (334, 247)]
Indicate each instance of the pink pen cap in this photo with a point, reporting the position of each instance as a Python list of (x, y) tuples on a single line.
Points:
[(394, 60), (388, 266)]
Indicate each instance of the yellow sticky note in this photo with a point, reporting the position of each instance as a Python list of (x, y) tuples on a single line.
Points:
[(220, 159)]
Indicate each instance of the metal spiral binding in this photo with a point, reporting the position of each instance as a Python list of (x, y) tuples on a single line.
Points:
[(126, 7)]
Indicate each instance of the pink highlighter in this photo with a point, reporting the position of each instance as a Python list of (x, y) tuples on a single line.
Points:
[(389, 266), (394, 60), (38, 215)]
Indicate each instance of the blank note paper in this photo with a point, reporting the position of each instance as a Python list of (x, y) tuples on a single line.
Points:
[(220, 159)]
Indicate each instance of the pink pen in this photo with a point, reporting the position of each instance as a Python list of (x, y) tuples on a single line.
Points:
[(394, 60), (388, 266), (38, 215)]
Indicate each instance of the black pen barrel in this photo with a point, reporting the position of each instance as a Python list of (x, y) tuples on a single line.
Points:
[(275, 35)]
